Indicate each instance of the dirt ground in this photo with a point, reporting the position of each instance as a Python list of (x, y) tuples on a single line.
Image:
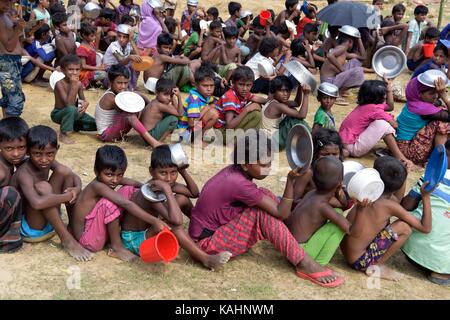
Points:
[(44, 271)]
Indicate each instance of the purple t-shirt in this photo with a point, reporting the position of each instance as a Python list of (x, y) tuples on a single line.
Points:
[(360, 118), (223, 197)]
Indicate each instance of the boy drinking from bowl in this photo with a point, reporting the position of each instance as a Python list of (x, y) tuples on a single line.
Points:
[(373, 239), (164, 174), (70, 105)]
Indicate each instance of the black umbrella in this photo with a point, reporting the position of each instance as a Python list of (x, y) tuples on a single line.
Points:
[(358, 15)]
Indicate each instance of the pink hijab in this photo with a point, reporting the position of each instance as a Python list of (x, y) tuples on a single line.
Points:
[(415, 104), (149, 29)]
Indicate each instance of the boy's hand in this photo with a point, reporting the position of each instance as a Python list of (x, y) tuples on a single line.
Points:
[(389, 83), (306, 88), (20, 25), (253, 107), (363, 204), (176, 91), (135, 58), (74, 79), (159, 185), (295, 173), (424, 192), (75, 192), (159, 226), (183, 167), (84, 106)]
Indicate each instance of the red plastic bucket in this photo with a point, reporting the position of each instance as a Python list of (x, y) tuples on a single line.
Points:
[(428, 49), (264, 15), (162, 247)]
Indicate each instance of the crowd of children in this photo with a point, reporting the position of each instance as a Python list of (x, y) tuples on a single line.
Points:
[(222, 64)]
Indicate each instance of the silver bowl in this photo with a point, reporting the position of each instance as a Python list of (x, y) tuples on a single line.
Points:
[(389, 61), (152, 196), (299, 72), (329, 89), (299, 147), (179, 157), (350, 31), (123, 28), (429, 77), (92, 10)]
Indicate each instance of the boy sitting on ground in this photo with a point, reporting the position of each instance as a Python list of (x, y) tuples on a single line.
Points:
[(160, 116), (42, 195), (374, 239), (240, 109), (164, 174), (99, 207), (230, 54), (70, 103), (13, 149), (314, 222), (211, 45), (200, 113), (179, 69)]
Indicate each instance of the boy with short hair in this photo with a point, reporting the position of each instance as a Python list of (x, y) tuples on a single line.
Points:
[(70, 103), (269, 51), (13, 149), (240, 109), (234, 9), (106, 29), (193, 47), (65, 38), (323, 117), (200, 113), (179, 69), (255, 38), (289, 13), (230, 53), (416, 26), (310, 38), (164, 174), (13, 99), (99, 207), (415, 56), (314, 222), (160, 116), (373, 239), (212, 43), (42, 195)]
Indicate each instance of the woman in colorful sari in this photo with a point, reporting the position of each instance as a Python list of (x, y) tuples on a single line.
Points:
[(421, 124), (151, 26), (432, 250)]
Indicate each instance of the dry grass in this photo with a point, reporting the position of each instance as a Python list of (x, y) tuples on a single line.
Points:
[(40, 271)]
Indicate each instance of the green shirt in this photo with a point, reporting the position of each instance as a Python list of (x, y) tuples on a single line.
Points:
[(324, 119), (432, 250), (190, 43)]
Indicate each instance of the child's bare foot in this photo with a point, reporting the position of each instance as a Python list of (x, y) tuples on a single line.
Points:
[(77, 251), (64, 138), (122, 254), (381, 271), (218, 260)]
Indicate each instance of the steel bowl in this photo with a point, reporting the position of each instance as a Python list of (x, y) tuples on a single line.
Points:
[(350, 168), (266, 69), (350, 31), (179, 157), (299, 147), (329, 89), (389, 61), (135, 11), (246, 13), (429, 77), (301, 74), (152, 196), (92, 10), (123, 28)]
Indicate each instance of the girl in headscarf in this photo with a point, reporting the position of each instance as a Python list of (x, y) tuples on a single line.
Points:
[(421, 124), (151, 26)]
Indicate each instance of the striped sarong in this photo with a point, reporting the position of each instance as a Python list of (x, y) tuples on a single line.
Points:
[(253, 225), (10, 218)]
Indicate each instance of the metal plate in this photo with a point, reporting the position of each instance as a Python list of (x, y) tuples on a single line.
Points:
[(299, 72), (299, 147), (152, 196), (389, 61)]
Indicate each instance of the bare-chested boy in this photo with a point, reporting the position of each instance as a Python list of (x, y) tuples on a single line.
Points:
[(10, 62), (160, 117), (13, 149), (70, 103), (374, 239), (97, 211), (65, 39), (337, 70), (211, 45), (179, 69), (42, 195), (230, 54), (135, 231), (314, 222)]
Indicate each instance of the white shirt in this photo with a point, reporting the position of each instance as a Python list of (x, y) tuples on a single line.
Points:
[(416, 30), (255, 60), (109, 59), (104, 118)]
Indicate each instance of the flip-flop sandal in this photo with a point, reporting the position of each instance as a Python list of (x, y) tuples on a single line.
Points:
[(439, 281), (313, 277)]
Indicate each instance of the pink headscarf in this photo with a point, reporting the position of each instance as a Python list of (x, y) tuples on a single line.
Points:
[(415, 104), (149, 29)]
